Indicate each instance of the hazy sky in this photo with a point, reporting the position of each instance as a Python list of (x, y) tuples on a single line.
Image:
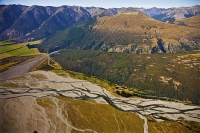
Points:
[(106, 3)]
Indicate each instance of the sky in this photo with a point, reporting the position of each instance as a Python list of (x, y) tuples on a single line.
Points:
[(106, 3)]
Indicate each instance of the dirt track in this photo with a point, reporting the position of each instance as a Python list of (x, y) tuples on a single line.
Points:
[(21, 69)]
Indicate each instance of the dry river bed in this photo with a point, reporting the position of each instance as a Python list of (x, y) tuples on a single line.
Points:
[(42, 84)]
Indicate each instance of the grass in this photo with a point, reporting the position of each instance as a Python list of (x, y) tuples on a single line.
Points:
[(6, 66), (17, 49), (87, 114), (9, 85), (48, 64), (172, 126), (9, 62), (35, 42), (45, 102), (38, 76), (5, 43)]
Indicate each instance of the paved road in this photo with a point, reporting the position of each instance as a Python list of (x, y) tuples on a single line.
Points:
[(21, 69)]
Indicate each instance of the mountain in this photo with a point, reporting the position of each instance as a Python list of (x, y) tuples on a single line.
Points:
[(172, 14), (23, 23), (99, 12), (37, 22), (129, 31), (8, 14), (151, 11)]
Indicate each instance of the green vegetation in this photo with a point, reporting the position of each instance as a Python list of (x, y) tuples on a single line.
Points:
[(2, 43), (174, 76), (48, 64), (73, 37), (16, 49)]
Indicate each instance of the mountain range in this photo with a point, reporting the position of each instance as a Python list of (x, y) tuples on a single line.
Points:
[(26, 23)]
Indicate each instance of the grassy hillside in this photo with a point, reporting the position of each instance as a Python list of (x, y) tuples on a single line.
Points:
[(167, 75), (9, 49)]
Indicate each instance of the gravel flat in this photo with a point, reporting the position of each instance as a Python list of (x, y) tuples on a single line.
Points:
[(41, 84)]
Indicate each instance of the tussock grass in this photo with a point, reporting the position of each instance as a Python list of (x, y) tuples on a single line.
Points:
[(39, 76), (99, 117), (171, 126), (87, 114), (9, 85), (9, 62)]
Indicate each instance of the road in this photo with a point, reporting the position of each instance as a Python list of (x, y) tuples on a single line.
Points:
[(22, 68)]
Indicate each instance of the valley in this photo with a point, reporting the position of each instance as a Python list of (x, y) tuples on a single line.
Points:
[(175, 76), (45, 91), (90, 69)]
